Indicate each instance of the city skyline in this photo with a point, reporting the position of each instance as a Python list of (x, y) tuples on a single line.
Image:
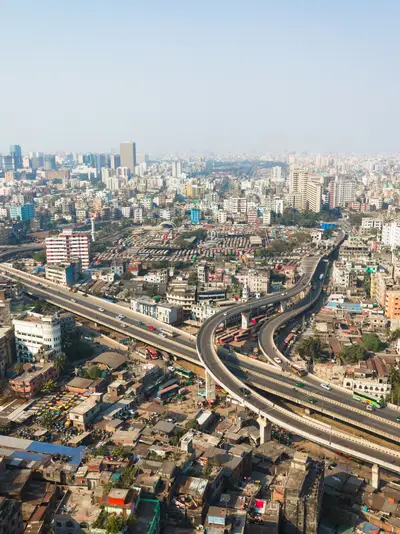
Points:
[(220, 78)]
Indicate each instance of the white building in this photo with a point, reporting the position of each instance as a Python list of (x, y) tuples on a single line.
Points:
[(391, 234), (157, 277), (267, 217), (138, 215), (341, 275), (69, 246), (371, 222), (126, 212), (64, 274), (34, 331), (341, 191), (222, 216)]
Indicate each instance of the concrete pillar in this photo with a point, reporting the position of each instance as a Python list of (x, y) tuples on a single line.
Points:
[(375, 476), (265, 430), (245, 320), (210, 387)]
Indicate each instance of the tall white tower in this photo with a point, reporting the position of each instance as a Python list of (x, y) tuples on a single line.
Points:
[(93, 232)]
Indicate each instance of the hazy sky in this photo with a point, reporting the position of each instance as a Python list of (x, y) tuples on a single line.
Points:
[(182, 75)]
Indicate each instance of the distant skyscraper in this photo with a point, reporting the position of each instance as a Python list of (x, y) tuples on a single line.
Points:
[(50, 162), (115, 161), (16, 153), (127, 151), (176, 169)]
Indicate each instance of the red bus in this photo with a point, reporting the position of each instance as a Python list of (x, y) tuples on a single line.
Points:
[(244, 334), (225, 339)]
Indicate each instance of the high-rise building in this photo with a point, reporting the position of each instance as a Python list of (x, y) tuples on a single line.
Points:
[(313, 196), (176, 169), (115, 161), (16, 154), (298, 188), (25, 212), (7, 163), (50, 162), (195, 216), (68, 246), (127, 153), (341, 191), (34, 331)]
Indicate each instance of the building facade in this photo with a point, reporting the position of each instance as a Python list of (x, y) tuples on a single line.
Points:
[(67, 247), (33, 332)]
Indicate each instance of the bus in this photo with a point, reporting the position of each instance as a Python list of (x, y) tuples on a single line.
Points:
[(184, 373), (225, 339), (368, 399), (299, 371), (168, 333), (288, 339), (245, 334)]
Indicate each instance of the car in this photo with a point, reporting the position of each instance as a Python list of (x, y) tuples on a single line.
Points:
[(121, 316), (101, 309), (398, 419), (311, 400), (370, 408), (225, 313), (85, 295), (300, 384), (294, 389), (277, 360), (123, 325), (139, 323), (326, 386), (246, 392), (73, 300), (161, 334), (151, 328)]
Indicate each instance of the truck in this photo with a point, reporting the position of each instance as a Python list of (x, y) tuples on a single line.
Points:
[(152, 353), (167, 333)]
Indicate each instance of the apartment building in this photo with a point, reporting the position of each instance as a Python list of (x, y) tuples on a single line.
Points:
[(392, 306), (69, 246), (64, 274), (30, 382), (33, 332)]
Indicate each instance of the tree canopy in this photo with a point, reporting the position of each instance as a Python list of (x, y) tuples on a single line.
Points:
[(371, 342)]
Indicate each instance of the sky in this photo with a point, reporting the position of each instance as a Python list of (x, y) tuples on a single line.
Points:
[(200, 75)]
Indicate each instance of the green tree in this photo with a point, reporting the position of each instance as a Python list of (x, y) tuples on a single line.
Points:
[(310, 347), (19, 367), (367, 284), (40, 257), (48, 386), (371, 342), (353, 353), (93, 372), (115, 524), (47, 420), (119, 451), (60, 363)]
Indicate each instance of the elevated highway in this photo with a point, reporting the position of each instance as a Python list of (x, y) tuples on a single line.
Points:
[(235, 380)]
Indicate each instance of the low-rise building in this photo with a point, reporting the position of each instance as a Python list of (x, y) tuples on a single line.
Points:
[(31, 381), (84, 413), (181, 294), (64, 274)]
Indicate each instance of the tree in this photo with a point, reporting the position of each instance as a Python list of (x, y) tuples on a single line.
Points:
[(367, 284), (42, 306), (40, 257), (353, 353), (60, 363), (48, 386), (119, 451), (371, 342), (19, 367), (310, 347), (93, 372), (47, 420), (115, 523)]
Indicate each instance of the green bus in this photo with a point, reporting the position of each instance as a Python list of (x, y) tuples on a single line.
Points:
[(368, 399), (184, 373)]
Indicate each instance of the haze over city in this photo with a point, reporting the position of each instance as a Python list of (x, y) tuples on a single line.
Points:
[(223, 76)]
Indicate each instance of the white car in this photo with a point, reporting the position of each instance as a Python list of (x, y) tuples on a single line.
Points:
[(123, 325), (100, 309), (326, 386), (73, 300), (277, 360), (121, 316)]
